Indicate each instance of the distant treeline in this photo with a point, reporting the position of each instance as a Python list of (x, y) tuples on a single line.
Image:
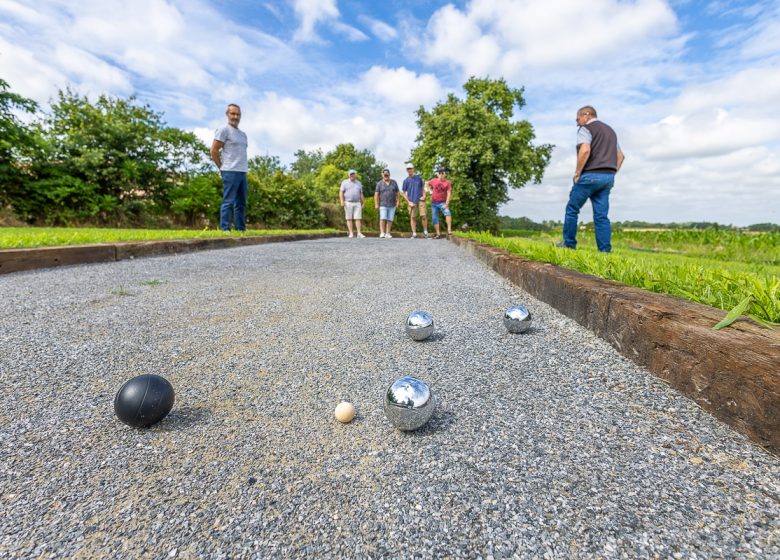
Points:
[(528, 224)]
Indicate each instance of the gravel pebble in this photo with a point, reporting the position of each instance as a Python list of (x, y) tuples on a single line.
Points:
[(544, 445)]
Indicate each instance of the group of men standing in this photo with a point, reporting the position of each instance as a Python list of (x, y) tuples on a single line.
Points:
[(599, 158), (387, 198)]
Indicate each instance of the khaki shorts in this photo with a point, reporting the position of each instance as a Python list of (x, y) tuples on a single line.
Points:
[(414, 206), (353, 210)]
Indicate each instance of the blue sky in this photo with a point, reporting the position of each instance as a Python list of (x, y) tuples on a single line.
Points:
[(691, 87)]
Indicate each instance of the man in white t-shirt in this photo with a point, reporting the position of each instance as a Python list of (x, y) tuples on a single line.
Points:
[(351, 197), (229, 153)]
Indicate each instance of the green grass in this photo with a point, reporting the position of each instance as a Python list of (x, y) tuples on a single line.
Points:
[(711, 244), (689, 273), (13, 238)]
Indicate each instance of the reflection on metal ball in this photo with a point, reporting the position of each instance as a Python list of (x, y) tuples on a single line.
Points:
[(409, 403), (517, 319), (419, 325)]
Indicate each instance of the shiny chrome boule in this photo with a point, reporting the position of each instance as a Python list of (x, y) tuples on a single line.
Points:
[(409, 403), (517, 319), (419, 325)]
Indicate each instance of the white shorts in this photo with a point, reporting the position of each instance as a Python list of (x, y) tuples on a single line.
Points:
[(353, 210)]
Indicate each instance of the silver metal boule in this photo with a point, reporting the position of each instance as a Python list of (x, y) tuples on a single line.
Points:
[(409, 403), (419, 325), (517, 319)]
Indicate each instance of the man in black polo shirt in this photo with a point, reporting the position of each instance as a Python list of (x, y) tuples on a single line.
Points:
[(599, 157)]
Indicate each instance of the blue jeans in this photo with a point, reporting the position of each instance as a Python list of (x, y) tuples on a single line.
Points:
[(437, 207), (596, 187), (234, 189)]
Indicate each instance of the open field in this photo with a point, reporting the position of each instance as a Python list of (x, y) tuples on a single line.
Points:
[(19, 237), (714, 267)]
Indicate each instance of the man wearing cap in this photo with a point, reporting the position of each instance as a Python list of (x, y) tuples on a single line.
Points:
[(386, 199), (228, 150), (414, 194), (351, 196), (441, 193)]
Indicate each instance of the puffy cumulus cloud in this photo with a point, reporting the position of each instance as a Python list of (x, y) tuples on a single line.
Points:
[(281, 124), (514, 38), (737, 188), (111, 44), (402, 87)]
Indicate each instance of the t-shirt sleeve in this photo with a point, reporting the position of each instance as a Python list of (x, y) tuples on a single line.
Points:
[(342, 187), (221, 134), (584, 136), (376, 189)]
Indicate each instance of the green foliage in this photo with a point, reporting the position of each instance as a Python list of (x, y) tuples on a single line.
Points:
[(484, 151), (265, 166), (197, 198), (280, 200), (346, 157), (17, 141), (306, 163), (524, 223), (327, 182), (711, 281), (63, 200), (118, 148)]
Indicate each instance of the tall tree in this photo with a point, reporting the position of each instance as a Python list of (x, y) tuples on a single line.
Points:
[(306, 163), (483, 149), (16, 139), (369, 169)]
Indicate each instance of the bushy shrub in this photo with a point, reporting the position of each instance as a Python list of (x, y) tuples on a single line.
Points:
[(280, 200), (197, 199), (63, 200)]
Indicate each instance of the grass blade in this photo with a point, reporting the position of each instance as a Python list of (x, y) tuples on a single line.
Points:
[(734, 314)]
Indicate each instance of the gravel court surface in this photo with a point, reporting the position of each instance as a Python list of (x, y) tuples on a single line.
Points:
[(544, 445)]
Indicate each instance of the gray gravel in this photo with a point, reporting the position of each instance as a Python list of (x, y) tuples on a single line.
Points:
[(545, 445)]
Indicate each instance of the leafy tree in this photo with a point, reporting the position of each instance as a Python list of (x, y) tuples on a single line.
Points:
[(368, 168), (306, 163), (483, 149), (327, 182), (119, 148), (16, 140), (265, 166)]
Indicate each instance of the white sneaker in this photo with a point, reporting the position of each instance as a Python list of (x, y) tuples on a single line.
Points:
[(388, 236), (381, 235), (425, 234), (414, 235), (350, 235), (360, 235)]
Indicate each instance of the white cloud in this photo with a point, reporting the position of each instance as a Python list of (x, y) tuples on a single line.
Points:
[(108, 45), (518, 38), (379, 29), (311, 13), (402, 87), (348, 32)]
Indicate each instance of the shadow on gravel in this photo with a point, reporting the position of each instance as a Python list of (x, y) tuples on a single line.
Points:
[(185, 417), (441, 421)]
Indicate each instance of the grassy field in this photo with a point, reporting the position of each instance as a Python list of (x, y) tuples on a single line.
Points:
[(725, 269), (13, 238)]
